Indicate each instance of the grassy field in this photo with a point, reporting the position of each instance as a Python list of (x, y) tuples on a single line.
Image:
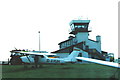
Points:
[(59, 71)]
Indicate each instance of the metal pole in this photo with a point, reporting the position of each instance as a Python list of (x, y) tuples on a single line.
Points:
[(39, 40)]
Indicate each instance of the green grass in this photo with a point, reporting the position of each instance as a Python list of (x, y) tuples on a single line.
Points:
[(59, 71)]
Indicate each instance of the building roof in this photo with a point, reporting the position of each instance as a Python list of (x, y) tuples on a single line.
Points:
[(65, 40), (74, 37), (70, 47), (92, 40), (79, 30), (79, 21)]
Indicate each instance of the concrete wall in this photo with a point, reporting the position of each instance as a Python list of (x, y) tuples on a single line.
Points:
[(81, 36), (94, 45)]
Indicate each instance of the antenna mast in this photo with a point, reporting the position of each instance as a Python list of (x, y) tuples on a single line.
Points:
[(39, 40)]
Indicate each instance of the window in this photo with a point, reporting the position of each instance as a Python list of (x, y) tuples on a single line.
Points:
[(80, 55), (82, 26)]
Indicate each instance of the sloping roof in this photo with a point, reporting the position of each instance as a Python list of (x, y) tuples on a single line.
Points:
[(72, 38), (92, 40), (65, 41), (79, 21), (70, 48), (79, 45)]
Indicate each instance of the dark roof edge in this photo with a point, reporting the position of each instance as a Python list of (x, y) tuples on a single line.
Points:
[(65, 41), (67, 47), (92, 40)]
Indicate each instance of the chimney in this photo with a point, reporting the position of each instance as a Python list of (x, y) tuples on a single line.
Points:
[(98, 38)]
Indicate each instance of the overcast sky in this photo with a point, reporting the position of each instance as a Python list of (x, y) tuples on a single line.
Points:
[(20, 21)]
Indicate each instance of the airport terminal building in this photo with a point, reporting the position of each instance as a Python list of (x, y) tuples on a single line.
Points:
[(79, 38)]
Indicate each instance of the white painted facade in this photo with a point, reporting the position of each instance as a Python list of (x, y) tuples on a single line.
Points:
[(81, 36), (94, 44), (80, 32)]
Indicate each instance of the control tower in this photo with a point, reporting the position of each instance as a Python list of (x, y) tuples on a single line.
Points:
[(79, 28), (91, 48)]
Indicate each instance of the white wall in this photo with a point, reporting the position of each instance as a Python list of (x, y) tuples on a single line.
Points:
[(81, 36), (85, 54), (92, 45)]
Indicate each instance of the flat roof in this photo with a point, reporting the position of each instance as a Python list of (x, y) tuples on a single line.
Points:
[(79, 21)]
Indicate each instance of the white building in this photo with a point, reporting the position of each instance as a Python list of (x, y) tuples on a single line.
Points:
[(90, 48)]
